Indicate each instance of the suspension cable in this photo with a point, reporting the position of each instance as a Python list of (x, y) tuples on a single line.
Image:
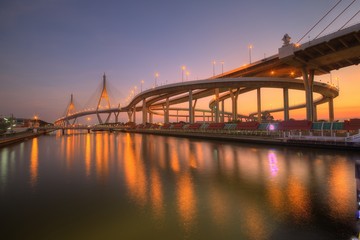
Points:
[(319, 21), (335, 19), (350, 20)]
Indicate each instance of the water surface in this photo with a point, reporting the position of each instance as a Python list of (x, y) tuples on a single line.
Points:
[(132, 186)]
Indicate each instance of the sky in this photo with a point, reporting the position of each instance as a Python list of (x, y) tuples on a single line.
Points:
[(50, 49)]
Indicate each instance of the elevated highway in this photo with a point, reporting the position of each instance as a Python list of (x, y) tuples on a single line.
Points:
[(294, 67)]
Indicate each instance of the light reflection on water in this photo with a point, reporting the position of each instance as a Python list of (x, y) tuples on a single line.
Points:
[(179, 188)]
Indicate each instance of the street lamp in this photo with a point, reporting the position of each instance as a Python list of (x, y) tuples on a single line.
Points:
[(182, 73), (156, 77), (213, 62), (142, 82), (135, 89), (250, 47), (187, 75), (222, 67)]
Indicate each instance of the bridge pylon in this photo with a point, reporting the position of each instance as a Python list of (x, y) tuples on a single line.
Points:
[(104, 95), (70, 110)]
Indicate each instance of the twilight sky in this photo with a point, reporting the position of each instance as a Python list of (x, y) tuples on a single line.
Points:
[(52, 48)]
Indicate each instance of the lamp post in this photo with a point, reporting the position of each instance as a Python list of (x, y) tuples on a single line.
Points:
[(187, 75), (182, 73), (222, 67), (250, 47), (156, 77), (213, 62)]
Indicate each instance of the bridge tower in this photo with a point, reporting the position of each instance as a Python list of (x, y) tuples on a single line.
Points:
[(104, 95), (70, 109)]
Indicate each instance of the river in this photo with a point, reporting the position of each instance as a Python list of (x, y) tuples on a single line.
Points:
[(132, 186)]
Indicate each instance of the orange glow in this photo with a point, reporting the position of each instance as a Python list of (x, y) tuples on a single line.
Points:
[(87, 155), (186, 201), (218, 207), (254, 223), (69, 150), (299, 202), (156, 194), (134, 174), (34, 162), (276, 197), (341, 190)]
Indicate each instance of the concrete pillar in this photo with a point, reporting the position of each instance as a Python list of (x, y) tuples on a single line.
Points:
[(191, 112), (177, 115), (134, 115), (108, 118), (144, 112), (331, 109), (166, 111), (129, 116), (223, 111), (234, 98), (116, 116), (308, 77), (315, 113), (286, 104), (150, 117), (99, 118), (217, 112), (203, 116), (258, 91)]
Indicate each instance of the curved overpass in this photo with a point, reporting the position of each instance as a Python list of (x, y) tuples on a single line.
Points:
[(158, 100)]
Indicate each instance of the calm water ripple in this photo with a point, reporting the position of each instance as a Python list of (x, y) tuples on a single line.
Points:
[(132, 186)]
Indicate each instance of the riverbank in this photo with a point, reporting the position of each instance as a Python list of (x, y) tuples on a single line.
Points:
[(19, 137), (269, 140)]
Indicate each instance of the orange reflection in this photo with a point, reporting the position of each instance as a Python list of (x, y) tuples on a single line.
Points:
[(254, 223), (134, 173), (174, 160), (102, 156), (218, 207), (299, 202), (34, 162), (69, 150), (156, 193), (276, 197), (341, 190), (186, 201), (87, 155)]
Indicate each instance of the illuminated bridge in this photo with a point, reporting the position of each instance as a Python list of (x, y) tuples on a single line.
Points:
[(294, 67)]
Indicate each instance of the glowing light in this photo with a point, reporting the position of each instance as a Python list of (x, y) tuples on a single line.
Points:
[(273, 163)]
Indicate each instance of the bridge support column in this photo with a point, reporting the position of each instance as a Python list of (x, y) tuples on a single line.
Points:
[(308, 76), (108, 118), (315, 113), (331, 109), (166, 111), (144, 112), (134, 114), (99, 118), (258, 91), (217, 112), (129, 116), (234, 98), (150, 117), (116, 116), (286, 104), (191, 112), (223, 111)]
